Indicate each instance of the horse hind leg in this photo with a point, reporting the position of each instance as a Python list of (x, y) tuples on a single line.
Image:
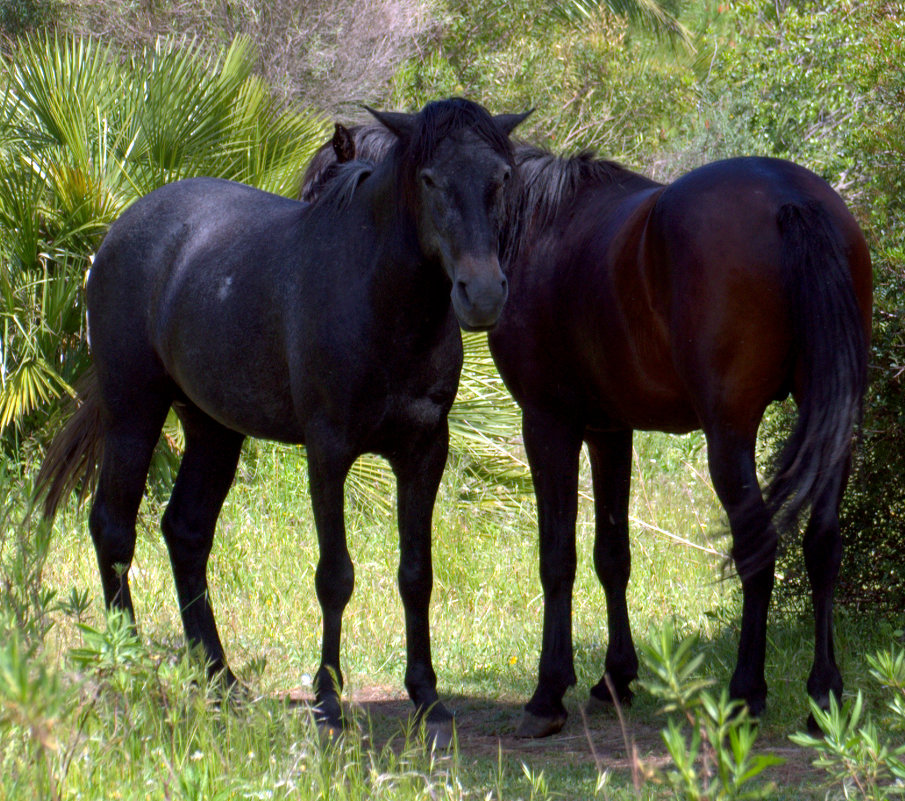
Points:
[(129, 441), (823, 556), (188, 524), (611, 466), (732, 468)]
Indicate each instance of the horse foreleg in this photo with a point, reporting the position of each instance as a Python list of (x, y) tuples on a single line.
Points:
[(204, 479), (553, 447), (418, 474), (823, 556), (334, 578), (732, 468), (611, 469)]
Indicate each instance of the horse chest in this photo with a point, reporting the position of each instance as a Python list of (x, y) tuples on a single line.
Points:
[(417, 412)]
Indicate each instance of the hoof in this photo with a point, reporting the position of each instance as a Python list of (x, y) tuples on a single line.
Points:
[(329, 731), (437, 723), (233, 695), (601, 699), (439, 735), (534, 726), (814, 727), (328, 717)]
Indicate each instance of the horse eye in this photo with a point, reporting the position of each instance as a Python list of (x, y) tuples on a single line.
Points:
[(507, 174), (427, 179)]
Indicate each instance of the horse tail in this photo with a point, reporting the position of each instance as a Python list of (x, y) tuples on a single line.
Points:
[(832, 358), (73, 456)]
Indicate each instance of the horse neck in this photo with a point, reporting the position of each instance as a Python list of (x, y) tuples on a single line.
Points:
[(406, 278), (540, 211)]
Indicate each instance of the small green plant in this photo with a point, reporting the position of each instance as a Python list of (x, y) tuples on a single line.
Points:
[(863, 757), (709, 739)]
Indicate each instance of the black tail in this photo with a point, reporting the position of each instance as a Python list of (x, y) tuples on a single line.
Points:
[(72, 459), (832, 367)]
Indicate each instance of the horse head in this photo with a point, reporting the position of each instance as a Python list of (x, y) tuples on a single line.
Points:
[(457, 171)]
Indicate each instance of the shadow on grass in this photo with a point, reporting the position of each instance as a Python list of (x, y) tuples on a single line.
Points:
[(486, 721)]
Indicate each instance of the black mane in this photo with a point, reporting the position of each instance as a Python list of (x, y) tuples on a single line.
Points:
[(335, 185), (549, 180), (441, 118)]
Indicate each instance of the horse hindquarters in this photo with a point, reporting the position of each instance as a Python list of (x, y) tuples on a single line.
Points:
[(828, 355)]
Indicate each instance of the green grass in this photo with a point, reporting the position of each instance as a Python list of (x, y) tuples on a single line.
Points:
[(154, 734)]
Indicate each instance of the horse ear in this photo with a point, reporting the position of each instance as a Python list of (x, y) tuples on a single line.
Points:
[(395, 121), (509, 122), (343, 144)]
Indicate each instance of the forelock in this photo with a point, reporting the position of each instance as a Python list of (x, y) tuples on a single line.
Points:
[(441, 119)]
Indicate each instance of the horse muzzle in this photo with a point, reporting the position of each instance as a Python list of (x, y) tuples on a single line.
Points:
[(479, 293)]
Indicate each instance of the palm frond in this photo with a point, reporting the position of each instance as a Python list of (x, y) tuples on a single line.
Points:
[(270, 145), (32, 384), (655, 16), (485, 429), (59, 84)]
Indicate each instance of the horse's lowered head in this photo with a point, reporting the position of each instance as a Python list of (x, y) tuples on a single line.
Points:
[(458, 174)]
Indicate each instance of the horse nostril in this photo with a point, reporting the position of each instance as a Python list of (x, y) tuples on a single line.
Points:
[(504, 285), (462, 290)]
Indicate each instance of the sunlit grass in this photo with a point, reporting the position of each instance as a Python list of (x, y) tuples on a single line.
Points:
[(486, 611), (487, 601)]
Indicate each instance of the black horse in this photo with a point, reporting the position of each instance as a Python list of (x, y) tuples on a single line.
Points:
[(635, 305), (328, 324)]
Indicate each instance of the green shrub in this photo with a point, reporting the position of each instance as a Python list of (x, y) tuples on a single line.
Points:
[(20, 16), (710, 739), (823, 84), (862, 756)]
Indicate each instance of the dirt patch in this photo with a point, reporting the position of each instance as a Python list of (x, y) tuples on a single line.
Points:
[(486, 728)]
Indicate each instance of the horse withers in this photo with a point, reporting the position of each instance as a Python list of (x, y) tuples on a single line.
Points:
[(334, 324), (635, 305)]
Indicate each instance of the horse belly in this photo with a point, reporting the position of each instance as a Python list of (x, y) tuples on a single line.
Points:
[(640, 401), (224, 349)]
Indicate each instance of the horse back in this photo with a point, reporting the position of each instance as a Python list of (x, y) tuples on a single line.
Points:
[(191, 282), (585, 334), (651, 308)]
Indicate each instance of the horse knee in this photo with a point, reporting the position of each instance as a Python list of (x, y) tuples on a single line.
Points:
[(558, 576), (613, 564), (415, 583), (334, 581)]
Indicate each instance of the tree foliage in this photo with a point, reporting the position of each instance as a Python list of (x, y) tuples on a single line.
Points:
[(83, 133)]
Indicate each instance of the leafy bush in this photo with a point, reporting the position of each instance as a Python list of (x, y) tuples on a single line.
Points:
[(823, 84), (20, 16), (711, 739), (594, 78), (864, 758)]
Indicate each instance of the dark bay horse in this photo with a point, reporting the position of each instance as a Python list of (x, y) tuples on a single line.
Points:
[(635, 305), (334, 324), (673, 308)]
